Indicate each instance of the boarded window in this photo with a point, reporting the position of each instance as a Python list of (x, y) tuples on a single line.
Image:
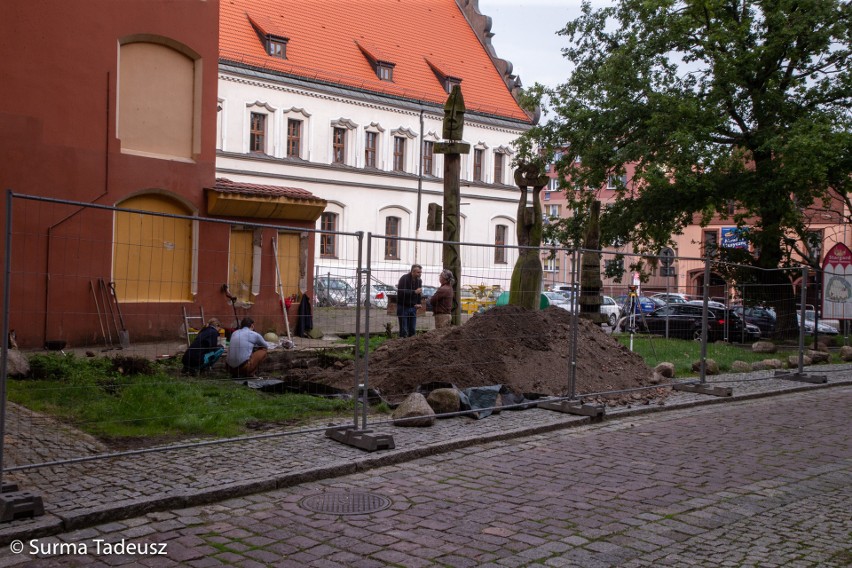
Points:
[(152, 255), (241, 263)]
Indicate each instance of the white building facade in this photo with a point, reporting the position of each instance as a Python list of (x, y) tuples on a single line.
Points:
[(362, 154)]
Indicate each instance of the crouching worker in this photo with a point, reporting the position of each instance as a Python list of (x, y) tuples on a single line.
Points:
[(246, 351), (204, 350)]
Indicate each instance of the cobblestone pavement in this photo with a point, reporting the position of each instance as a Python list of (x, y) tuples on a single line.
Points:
[(756, 481)]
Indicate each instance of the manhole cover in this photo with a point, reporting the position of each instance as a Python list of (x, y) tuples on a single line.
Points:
[(345, 503)]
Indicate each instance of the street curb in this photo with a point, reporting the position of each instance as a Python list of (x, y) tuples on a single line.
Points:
[(52, 524)]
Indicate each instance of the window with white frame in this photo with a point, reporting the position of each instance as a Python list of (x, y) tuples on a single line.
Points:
[(616, 182), (550, 264), (553, 211)]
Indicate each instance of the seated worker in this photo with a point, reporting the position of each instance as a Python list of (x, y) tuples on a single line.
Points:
[(246, 351), (204, 350)]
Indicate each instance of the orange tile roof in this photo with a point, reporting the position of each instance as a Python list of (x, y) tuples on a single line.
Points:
[(324, 38)]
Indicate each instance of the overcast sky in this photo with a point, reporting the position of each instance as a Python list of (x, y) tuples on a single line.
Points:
[(525, 34)]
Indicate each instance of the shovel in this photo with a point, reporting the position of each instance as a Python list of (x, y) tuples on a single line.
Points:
[(123, 335)]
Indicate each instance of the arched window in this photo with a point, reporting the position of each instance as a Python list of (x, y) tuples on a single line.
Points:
[(158, 94), (153, 255)]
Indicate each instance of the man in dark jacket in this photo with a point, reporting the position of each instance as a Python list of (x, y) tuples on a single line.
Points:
[(408, 298), (204, 350)]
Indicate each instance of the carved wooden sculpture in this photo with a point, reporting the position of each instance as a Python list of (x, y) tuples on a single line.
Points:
[(527, 274)]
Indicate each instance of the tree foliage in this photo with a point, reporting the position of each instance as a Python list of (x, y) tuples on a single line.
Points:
[(733, 108)]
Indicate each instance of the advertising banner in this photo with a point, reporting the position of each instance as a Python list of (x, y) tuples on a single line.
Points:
[(837, 283), (734, 237)]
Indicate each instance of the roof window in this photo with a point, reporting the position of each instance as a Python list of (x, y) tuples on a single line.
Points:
[(379, 61), (450, 82), (384, 70), (276, 46), (443, 73)]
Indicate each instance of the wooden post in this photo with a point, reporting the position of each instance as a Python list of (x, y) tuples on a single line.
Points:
[(452, 149)]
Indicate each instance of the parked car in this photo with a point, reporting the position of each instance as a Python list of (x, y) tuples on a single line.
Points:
[(710, 304), (610, 307), (379, 294), (671, 297), (822, 327), (643, 304), (558, 300), (763, 317), (334, 292), (684, 322)]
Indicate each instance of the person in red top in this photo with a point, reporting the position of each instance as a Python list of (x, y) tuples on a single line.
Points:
[(442, 300)]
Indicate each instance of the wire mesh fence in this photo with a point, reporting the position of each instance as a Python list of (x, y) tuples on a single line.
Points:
[(116, 296)]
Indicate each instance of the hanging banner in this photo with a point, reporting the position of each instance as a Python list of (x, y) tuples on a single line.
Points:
[(837, 283), (734, 237)]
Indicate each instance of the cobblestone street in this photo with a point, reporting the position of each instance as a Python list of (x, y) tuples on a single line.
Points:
[(764, 482)]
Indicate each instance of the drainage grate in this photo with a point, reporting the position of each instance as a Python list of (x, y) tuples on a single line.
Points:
[(345, 503)]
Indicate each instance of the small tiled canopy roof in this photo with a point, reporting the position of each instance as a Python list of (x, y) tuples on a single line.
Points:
[(238, 199)]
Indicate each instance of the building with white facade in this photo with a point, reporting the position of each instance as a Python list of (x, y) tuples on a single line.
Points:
[(347, 104)]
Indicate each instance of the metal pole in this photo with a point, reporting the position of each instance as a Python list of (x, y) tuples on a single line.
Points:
[(7, 285), (575, 278), (704, 319), (668, 291), (360, 366), (802, 310)]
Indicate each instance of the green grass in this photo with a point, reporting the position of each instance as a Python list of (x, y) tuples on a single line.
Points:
[(115, 399), (682, 353), (375, 342)]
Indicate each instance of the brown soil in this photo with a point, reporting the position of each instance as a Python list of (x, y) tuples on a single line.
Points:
[(526, 351)]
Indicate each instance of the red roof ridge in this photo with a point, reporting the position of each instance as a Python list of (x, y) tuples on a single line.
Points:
[(224, 185)]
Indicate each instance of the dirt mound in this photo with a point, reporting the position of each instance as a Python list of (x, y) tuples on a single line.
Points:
[(526, 351)]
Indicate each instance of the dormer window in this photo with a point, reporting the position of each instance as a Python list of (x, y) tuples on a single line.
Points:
[(276, 46), (384, 70), (379, 61), (450, 82)]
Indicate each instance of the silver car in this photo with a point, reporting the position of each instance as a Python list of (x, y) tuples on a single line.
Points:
[(378, 294)]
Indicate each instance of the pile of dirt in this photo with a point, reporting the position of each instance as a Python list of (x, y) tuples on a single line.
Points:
[(528, 352)]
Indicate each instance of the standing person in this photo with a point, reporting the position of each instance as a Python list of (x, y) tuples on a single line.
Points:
[(442, 300), (204, 350), (408, 292), (246, 351)]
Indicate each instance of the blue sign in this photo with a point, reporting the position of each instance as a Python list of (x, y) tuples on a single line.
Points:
[(734, 237)]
